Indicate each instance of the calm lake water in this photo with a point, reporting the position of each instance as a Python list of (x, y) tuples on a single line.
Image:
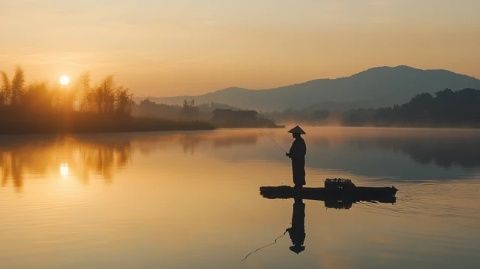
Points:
[(191, 200)]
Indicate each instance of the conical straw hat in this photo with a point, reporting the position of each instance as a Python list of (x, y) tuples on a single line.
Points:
[(296, 130)]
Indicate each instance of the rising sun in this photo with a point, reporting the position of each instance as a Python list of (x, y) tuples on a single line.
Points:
[(64, 80)]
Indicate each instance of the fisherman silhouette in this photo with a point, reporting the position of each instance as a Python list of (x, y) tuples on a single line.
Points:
[(297, 154), (297, 231)]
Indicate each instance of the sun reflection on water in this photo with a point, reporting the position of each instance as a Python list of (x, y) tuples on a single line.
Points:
[(64, 170)]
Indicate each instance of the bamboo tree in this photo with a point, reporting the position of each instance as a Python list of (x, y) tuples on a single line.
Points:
[(83, 88), (123, 101), (37, 98), (5, 90), (102, 98), (17, 86)]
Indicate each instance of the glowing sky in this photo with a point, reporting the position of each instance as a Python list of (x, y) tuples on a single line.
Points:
[(192, 46)]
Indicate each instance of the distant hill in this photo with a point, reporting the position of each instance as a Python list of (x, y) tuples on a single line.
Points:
[(375, 87)]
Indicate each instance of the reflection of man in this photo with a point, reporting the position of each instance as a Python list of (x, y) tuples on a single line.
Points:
[(297, 154), (297, 231)]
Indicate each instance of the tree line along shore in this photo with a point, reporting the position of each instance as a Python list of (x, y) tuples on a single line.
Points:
[(77, 107), (445, 108), (82, 106)]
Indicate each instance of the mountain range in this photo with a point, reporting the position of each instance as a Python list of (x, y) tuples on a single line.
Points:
[(375, 87)]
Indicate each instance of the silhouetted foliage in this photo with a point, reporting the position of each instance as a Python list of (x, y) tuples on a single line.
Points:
[(17, 87), (189, 110), (446, 108), (105, 98), (5, 90), (123, 102), (220, 115), (79, 107)]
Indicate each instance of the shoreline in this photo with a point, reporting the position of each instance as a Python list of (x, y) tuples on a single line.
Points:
[(204, 126), (73, 124), (394, 126), (98, 124)]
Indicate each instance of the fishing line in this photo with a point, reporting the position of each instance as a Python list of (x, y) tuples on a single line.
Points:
[(275, 142), (266, 246)]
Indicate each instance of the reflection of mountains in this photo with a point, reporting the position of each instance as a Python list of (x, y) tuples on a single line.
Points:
[(62, 156)]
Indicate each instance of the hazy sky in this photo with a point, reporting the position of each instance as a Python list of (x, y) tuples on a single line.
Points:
[(192, 46)]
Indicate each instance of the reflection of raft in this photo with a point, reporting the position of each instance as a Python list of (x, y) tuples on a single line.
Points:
[(337, 193)]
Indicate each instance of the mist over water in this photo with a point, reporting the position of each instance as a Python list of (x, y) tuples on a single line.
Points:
[(191, 199)]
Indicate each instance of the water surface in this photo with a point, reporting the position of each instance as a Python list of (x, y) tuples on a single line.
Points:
[(191, 200)]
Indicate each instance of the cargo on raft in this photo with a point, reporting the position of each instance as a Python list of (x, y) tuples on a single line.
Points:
[(337, 193)]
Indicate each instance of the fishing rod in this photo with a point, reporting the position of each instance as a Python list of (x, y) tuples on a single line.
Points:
[(266, 246)]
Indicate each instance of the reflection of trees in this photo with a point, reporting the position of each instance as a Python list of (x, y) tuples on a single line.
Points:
[(443, 151), (44, 156), (99, 155), (190, 141), (103, 159), (11, 169), (442, 147)]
